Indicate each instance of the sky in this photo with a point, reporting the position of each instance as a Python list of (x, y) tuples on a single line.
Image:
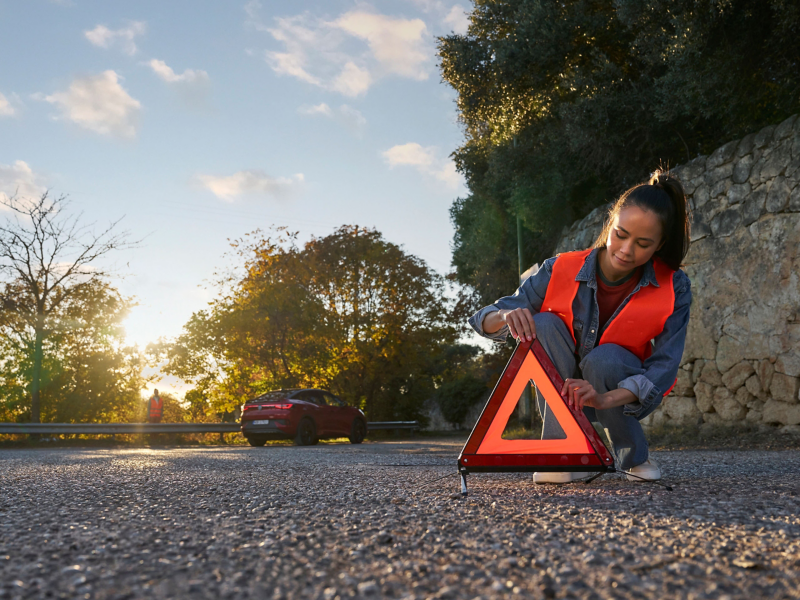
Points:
[(198, 121)]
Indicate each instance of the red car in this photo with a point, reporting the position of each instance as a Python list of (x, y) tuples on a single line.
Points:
[(302, 415)]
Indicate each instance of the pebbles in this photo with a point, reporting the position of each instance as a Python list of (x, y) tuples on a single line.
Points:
[(340, 521)]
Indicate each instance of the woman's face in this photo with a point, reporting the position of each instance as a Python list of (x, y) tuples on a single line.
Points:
[(634, 237)]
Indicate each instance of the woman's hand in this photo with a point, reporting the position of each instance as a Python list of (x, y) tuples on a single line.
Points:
[(581, 393), (520, 323)]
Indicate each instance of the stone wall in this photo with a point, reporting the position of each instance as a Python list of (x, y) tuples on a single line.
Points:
[(742, 356)]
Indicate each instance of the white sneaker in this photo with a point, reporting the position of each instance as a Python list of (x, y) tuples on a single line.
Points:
[(558, 476), (648, 471)]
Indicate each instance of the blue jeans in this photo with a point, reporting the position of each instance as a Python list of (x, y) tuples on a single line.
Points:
[(604, 367)]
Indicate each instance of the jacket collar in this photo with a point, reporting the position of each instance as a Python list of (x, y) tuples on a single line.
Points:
[(588, 272)]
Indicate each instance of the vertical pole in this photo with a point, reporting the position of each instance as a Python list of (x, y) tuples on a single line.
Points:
[(525, 416)]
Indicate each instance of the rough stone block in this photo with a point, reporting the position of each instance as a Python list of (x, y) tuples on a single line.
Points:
[(697, 369), (742, 168), (738, 193), (765, 371), (754, 415), (704, 396), (694, 168), (699, 341), (660, 418), (788, 364), (753, 206), (726, 222), (784, 129), (745, 145), (781, 412), (793, 169), (753, 385), (719, 174), (721, 155), (682, 410), (729, 353), (726, 406), (778, 195), (711, 374), (735, 377), (763, 137), (794, 200), (784, 388), (744, 397), (701, 196), (684, 385), (720, 188), (776, 163)]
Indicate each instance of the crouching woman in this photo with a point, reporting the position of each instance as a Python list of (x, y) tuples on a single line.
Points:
[(612, 319)]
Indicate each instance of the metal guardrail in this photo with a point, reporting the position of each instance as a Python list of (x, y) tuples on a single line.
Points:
[(123, 428), (377, 425), (117, 428)]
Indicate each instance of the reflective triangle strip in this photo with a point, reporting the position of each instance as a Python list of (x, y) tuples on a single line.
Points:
[(486, 449)]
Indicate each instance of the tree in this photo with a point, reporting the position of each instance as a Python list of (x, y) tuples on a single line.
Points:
[(349, 312), (49, 262), (565, 104)]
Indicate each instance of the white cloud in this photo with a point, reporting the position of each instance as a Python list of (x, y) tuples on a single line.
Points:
[(426, 160), (166, 73), (397, 44), (104, 37), (319, 109), (352, 81), (6, 110), (347, 54), (99, 103), (20, 180), (347, 115), (411, 154), (249, 182), (457, 19)]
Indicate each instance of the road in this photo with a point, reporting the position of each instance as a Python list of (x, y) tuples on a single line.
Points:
[(346, 521)]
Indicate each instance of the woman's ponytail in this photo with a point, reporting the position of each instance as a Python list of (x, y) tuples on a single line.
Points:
[(676, 242), (662, 195)]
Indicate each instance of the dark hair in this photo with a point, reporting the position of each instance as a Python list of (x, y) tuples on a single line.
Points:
[(662, 195)]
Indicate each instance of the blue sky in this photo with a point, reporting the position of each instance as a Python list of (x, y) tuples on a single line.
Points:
[(199, 121)]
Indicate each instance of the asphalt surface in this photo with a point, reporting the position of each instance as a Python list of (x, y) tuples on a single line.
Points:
[(357, 521)]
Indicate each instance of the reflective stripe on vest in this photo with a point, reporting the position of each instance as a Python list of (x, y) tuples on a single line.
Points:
[(640, 320), (156, 408)]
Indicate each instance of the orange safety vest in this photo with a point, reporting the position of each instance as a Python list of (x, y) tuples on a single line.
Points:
[(641, 319), (156, 407)]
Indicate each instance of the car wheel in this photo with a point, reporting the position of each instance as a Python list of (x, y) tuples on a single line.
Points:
[(306, 433), (358, 430), (256, 440)]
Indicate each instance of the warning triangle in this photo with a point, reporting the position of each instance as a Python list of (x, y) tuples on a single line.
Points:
[(580, 449)]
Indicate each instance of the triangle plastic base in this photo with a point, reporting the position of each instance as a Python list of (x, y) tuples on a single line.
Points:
[(486, 450)]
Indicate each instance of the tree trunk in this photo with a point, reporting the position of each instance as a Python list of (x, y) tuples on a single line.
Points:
[(36, 378)]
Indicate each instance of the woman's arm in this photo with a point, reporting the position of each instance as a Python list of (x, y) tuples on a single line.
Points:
[(519, 321), (661, 368), (529, 296)]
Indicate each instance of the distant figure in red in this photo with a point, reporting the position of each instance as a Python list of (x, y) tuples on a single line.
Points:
[(155, 408)]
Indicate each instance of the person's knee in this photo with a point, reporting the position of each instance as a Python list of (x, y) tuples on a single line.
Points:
[(549, 325), (609, 360)]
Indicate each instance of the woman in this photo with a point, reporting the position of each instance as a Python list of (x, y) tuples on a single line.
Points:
[(612, 319)]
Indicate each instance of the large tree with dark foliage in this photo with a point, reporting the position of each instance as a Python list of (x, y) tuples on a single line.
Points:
[(565, 104)]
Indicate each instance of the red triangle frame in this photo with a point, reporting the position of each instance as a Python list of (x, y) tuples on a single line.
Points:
[(485, 450)]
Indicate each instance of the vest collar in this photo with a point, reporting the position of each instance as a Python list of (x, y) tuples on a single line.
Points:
[(588, 272)]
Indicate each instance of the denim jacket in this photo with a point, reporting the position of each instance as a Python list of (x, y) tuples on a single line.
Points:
[(658, 371)]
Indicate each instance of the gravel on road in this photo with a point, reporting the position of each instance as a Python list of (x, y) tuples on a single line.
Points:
[(370, 521)]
